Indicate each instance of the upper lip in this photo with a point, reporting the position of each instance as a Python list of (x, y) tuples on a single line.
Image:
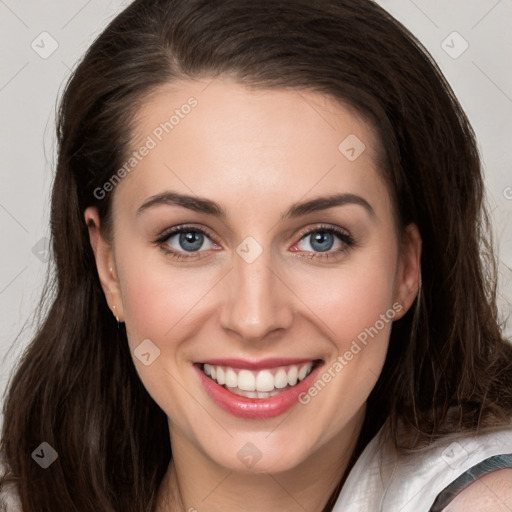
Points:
[(246, 364)]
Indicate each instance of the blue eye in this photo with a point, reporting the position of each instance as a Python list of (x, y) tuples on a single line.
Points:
[(186, 239), (325, 239), (323, 242), (192, 239)]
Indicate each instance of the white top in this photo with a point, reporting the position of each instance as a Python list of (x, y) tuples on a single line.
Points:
[(9, 500), (382, 482)]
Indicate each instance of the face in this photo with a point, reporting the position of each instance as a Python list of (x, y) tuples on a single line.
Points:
[(257, 267)]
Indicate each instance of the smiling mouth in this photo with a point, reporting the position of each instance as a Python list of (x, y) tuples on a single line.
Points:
[(263, 383)]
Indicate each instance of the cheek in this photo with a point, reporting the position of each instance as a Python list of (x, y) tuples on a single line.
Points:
[(158, 296), (161, 305), (357, 312), (351, 298)]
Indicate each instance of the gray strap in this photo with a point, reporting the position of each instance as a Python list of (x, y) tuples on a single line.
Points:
[(483, 468)]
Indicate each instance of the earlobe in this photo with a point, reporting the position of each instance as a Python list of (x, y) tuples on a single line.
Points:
[(409, 268), (105, 263)]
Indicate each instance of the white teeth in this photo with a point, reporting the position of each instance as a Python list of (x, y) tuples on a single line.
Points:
[(261, 384), (248, 394), (264, 381), (246, 381), (292, 375), (231, 378), (281, 379), (302, 372)]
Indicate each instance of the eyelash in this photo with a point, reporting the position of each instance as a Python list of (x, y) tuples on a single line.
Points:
[(343, 236)]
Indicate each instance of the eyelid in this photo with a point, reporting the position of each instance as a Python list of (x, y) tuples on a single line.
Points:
[(324, 227), (167, 233)]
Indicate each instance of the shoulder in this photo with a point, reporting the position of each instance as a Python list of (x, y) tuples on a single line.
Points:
[(460, 473), (490, 493)]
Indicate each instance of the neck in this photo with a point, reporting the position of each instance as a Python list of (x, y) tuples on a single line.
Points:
[(195, 483)]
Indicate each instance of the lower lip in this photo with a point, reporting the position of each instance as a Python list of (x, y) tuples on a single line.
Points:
[(255, 408)]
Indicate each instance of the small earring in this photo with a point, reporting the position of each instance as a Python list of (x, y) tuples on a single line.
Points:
[(115, 313)]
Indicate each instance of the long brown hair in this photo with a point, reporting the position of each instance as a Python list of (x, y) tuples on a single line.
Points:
[(76, 387)]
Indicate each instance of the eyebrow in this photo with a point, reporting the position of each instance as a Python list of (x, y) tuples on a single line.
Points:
[(209, 207)]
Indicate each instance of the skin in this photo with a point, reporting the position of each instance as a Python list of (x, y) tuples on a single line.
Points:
[(255, 152), (490, 493)]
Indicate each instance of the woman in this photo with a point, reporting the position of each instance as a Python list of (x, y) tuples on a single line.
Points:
[(267, 221)]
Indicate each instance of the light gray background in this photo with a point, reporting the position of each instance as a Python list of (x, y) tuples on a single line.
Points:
[(30, 84)]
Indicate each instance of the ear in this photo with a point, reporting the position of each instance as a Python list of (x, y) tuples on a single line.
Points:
[(105, 263), (408, 274)]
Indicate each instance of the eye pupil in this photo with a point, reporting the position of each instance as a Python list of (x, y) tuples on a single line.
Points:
[(193, 238), (322, 241)]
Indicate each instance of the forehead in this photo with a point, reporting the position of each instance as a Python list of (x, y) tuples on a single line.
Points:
[(223, 139)]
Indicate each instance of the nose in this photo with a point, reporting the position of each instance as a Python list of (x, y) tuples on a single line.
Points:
[(258, 302)]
